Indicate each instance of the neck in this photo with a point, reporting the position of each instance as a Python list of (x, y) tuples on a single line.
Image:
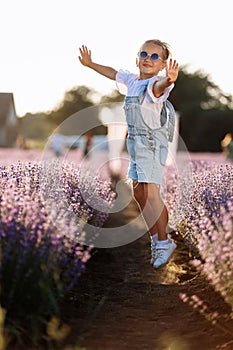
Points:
[(143, 76)]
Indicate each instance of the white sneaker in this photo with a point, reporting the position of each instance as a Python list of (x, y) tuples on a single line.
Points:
[(164, 253), (154, 246)]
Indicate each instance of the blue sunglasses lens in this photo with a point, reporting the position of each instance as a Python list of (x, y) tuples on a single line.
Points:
[(153, 57), (143, 54)]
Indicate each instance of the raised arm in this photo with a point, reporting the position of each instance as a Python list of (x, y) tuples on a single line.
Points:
[(171, 76), (86, 60)]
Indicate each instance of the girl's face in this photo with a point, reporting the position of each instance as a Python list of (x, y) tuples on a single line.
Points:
[(150, 60)]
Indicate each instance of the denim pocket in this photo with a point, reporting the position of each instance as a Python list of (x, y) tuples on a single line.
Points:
[(163, 154)]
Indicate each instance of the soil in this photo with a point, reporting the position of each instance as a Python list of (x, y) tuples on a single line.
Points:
[(121, 302)]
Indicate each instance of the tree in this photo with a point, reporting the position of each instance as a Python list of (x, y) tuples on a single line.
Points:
[(206, 113), (35, 126), (197, 91), (74, 100), (115, 96), (76, 105)]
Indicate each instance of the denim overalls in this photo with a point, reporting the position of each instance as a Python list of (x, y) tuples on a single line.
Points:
[(147, 147)]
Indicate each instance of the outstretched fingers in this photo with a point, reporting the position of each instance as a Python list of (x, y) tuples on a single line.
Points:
[(172, 70), (85, 55), (84, 50), (173, 64)]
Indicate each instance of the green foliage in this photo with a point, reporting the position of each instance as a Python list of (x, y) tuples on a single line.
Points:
[(74, 100), (115, 96), (35, 126), (195, 92), (206, 113), (77, 99)]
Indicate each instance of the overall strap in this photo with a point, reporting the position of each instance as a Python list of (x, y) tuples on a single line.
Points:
[(143, 94), (171, 121)]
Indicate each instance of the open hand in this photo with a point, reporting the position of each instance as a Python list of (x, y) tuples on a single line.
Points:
[(85, 56), (172, 70)]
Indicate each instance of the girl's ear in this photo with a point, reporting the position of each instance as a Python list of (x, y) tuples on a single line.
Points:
[(137, 62), (164, 65)]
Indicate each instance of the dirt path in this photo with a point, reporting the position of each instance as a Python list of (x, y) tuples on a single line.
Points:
[(123, 303)]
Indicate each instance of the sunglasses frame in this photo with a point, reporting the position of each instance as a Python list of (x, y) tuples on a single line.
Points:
[(148, 55)]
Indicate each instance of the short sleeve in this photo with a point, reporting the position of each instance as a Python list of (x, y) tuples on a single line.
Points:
[(122, 81), (163, 97), (122, 76)]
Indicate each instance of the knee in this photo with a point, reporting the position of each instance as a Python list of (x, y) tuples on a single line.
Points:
[(153, 195)]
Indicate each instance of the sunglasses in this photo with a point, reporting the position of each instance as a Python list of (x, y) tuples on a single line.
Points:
[(154, 56)]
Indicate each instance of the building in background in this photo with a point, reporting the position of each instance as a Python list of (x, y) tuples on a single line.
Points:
[(9, 121)]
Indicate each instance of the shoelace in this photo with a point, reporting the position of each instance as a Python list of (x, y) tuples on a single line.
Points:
[(159, 253), (153, 249), (153, 252)]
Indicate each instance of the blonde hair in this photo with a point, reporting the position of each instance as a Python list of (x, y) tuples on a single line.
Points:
[(164, 45)]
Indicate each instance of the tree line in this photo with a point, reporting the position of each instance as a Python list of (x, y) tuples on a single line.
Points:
[(206, 113)]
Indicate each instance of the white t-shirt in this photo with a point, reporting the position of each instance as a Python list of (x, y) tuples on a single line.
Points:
[(129, 84)]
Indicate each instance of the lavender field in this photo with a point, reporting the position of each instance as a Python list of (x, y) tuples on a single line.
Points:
[(201, 205), (42, 231), (42, 215)]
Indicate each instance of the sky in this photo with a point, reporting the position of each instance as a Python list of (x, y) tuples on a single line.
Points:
[(40, 43)]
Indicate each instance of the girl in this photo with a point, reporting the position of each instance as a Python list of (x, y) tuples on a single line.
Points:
[(150, 121)]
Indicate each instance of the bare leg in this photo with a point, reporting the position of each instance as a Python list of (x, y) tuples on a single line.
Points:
[(156, 216), (152, 207)]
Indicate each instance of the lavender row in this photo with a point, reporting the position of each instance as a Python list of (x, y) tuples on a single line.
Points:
[(202, 212), (43, 211)]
